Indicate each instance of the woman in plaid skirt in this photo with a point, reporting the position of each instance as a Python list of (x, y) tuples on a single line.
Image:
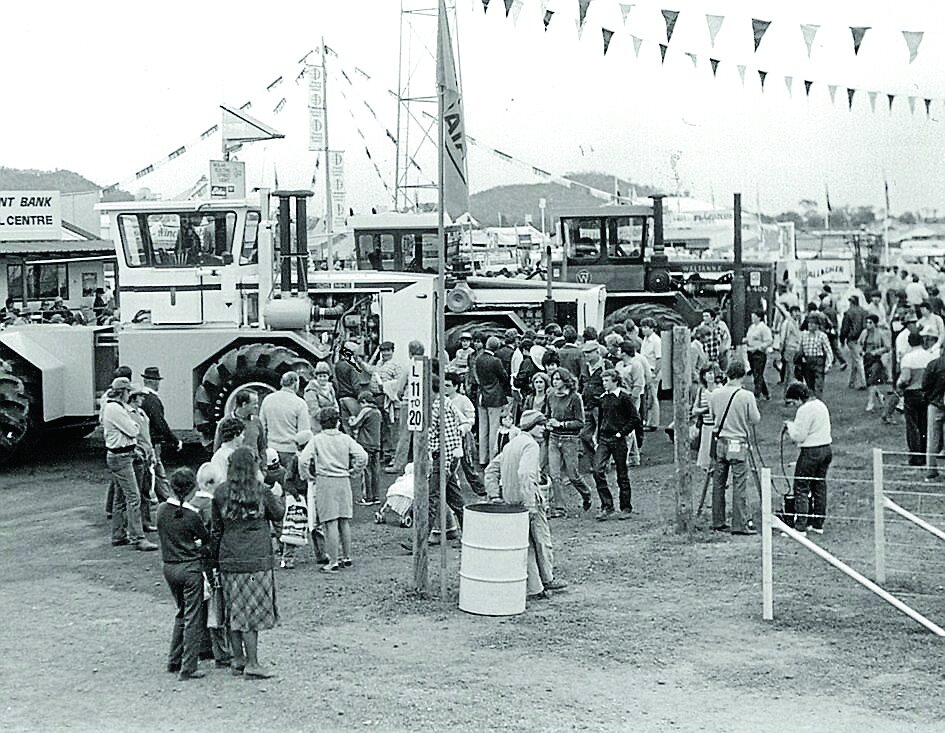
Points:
[(240, 514)]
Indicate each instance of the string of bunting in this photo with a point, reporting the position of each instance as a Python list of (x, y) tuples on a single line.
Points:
[(759, 28)]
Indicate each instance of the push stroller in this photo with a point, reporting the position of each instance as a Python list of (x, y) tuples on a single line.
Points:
[(399, 499)]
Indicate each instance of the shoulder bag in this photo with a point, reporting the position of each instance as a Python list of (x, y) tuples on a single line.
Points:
[(730, 444)]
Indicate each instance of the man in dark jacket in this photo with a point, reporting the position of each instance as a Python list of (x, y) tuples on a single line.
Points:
[(618, 419), (570, 354), (494, 390), (505, 351), (592, 387), (933, 389), (854, 321), (161, 433)]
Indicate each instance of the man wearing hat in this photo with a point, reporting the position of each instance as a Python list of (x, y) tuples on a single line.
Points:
[(161, 433), (592, 387), (460, 362), (815, 354), (514, 477), (932, 322), (352, 376), (121, 438), (384, 382)]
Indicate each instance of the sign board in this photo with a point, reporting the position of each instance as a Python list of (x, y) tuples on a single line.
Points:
[(415, 396), (227, 179), (316, 108), (30, 215)]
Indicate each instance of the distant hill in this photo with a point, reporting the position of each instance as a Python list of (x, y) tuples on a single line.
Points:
[(14, 179), (514, 202)]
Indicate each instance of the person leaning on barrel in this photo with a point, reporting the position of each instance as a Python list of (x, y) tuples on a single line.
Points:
[(514, 477)]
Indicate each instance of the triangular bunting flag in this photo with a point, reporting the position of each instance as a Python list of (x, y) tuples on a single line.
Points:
[(807, 85), (928, 107), (637, 42), (670, 17), (809, 31), (607, 36), (715, 25), (912, 105), (663, 48), (913, 39), (547, 19), (850, 93), (583, 5), (715, 65), (759, 28), (693, 58), (858, 33), (872, 96), (890, 98), (485, 6), (762, 75), (508, 7), (517, 6), (832, 88), (789, 83), (625, 10), (741, 72)]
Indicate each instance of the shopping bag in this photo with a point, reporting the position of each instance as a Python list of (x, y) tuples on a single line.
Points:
[(294, 522)]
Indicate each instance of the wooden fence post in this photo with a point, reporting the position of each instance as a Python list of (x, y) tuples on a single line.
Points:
[(681, 407)]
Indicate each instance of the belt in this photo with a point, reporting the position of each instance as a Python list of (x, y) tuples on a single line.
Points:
[(124, 449)]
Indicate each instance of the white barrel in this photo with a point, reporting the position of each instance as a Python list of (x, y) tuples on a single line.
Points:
[(494, 566)]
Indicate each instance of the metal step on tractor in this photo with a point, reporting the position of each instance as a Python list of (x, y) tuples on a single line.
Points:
[(222, 298)]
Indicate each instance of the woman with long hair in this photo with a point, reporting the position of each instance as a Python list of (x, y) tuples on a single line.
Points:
[(241, 512), (702, 416), (182, 535), (565, 420)]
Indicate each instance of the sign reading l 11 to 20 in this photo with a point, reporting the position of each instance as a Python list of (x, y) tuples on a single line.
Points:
[(416, 395)]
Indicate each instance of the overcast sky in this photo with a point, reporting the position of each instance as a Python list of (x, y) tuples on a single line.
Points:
[(105, 89)]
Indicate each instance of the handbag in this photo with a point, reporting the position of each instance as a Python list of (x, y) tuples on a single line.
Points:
[(216, 608), (294, 522), (718, 427)]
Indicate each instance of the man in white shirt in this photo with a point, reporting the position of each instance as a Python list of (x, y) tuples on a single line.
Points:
[(931, 323), (911, 370), (651, 349), (810, 430), (916, 292), (758, 340)]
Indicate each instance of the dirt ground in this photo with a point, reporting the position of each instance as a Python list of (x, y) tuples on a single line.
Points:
[(655, 633)]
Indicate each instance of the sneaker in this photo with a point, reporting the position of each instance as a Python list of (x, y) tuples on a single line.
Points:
[(330, 568), (543, 596), (365, 502), (816, 530), (282, 564), (625, 514), (195, 675), (556, 585), (604, 515), (122, 542), (345, 562), (145, 546), (586, 502)]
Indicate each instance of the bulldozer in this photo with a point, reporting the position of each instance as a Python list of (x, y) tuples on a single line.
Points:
[(221, 296)]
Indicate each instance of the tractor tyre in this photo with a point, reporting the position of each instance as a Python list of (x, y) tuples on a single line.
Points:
[(488, 328), (664, 316), (259, 365), (20, 404)]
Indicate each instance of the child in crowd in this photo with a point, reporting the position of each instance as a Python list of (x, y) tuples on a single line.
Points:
[(183, 537), (507, 429), (366, 427), (298, 478), (295, 486), (214, 640), (460, 362)]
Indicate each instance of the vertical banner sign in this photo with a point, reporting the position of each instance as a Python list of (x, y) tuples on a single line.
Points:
[(29, 215), (227, 179), (336, 174), (316, 108), (415, 396)]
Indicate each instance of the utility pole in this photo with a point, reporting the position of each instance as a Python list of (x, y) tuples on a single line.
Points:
[(329, 253), (738, 282)]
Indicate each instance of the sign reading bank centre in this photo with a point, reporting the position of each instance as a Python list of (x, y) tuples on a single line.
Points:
[(30, 215)]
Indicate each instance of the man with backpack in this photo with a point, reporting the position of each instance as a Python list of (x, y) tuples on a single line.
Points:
[(734, 412)]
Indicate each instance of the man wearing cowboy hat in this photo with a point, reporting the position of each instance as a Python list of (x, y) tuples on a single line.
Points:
[(514, 477), (161, 433), (121, 438)]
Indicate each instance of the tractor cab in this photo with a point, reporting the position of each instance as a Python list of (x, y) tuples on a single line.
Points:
[(183, 262), (403, 242)]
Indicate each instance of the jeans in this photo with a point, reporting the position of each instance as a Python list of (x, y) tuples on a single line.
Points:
[(162, 487), (402, 452), (563, 461), (369, 476), (587, 445), (143, 477), (916, 411), (185, 580), (758, 360), (934, 421), (787, 364), (348, 407), (810, 479), (813, 373), (652, 400), (739, 469), (615, 448), (541, 558), (489, 418), (127, 504), (454, 495), (467, 465), (857, 373)]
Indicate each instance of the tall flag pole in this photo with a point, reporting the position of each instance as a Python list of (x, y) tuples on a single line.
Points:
[(886, 221), (453, 197)]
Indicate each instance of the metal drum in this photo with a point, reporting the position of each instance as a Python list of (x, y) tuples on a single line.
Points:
[(494, 566)]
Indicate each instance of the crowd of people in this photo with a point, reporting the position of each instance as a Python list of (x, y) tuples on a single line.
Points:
[(100, 311)]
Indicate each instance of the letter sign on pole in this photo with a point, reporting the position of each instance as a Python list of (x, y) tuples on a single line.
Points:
[(416, 396)]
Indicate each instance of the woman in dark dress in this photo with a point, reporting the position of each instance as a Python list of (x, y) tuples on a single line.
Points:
[(241, 512)]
